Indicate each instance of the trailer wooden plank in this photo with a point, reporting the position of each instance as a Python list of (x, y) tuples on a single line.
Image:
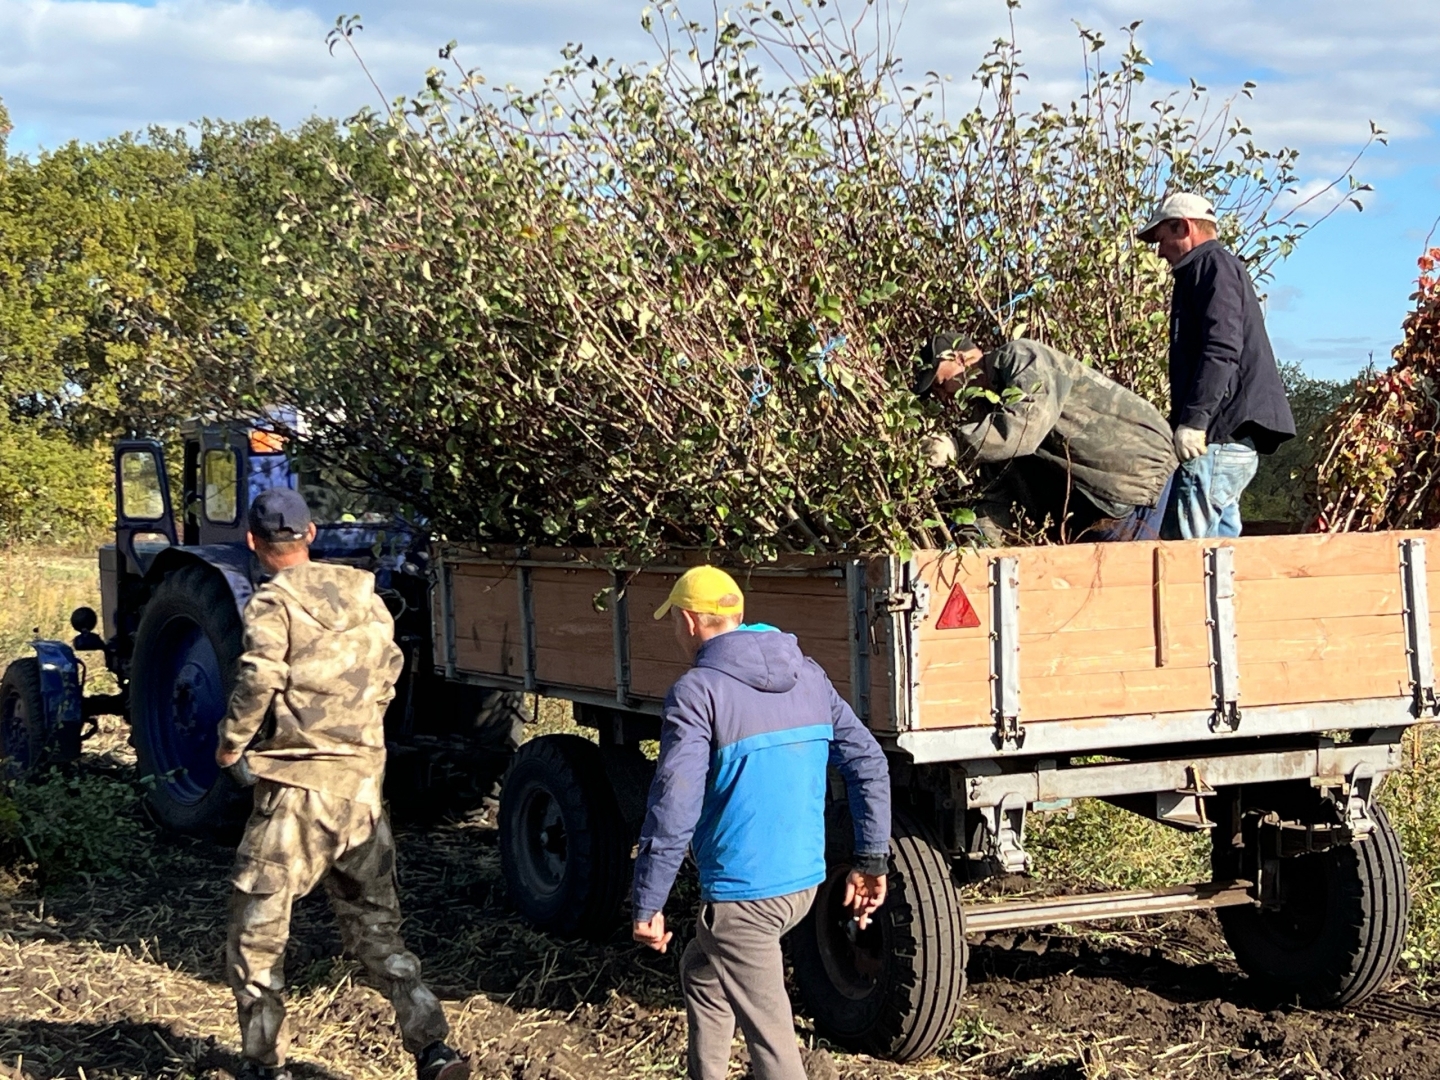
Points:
[(574, 629), (486, 613), (1059, 697), (1286, 683)]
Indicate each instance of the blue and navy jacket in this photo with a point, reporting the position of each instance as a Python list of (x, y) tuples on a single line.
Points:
[(748, 734)]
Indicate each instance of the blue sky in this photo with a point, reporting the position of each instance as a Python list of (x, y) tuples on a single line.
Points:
[(92, 68)]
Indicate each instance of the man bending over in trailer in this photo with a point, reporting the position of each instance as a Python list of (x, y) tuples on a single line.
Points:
[(747, 736), (319, 667), (1064, 447)]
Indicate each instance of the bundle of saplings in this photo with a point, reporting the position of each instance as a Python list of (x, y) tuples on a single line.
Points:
[(679, 303), (1379, 466)]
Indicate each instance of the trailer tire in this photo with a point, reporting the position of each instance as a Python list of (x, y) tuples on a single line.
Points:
[(894, 989), (1339, 934), (182, 672), (562, 839)]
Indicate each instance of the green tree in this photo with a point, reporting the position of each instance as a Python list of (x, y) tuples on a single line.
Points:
[(132, 291)]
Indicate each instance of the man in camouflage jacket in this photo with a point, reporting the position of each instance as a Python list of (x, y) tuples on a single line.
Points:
[(319, 668), (1060, 445)]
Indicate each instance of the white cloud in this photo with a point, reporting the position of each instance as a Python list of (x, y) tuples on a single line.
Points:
[(91, 68)]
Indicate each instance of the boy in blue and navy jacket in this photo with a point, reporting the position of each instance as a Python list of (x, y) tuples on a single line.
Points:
[(748, 734)]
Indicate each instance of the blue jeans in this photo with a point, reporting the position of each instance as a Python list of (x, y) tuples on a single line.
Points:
[(1206, 499)]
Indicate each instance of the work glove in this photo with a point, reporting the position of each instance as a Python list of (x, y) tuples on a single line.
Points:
[(940, 450), (241, 774), (1189, 443)]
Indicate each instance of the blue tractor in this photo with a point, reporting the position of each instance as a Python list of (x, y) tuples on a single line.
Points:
[(172, 599)]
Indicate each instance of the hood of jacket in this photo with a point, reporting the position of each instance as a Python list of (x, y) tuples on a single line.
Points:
[(339, 598), (763, 659)]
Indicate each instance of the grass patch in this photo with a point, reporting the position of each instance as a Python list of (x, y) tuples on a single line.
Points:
[(39, 586), (67, 825), (1097, 844), (1412, 799)]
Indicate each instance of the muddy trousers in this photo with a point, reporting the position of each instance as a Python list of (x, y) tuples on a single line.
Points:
[(295, 840), (733, 972)]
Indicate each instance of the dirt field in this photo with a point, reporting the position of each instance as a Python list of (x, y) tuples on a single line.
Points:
[(119, 975)]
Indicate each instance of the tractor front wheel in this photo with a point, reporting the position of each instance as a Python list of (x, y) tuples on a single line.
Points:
[(183, 669)]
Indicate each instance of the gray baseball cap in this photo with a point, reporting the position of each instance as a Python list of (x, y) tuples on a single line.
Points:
[(1183, 205), (279, 514)]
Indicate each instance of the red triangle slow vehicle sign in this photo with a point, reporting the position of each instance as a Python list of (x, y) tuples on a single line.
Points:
[(959, 613)]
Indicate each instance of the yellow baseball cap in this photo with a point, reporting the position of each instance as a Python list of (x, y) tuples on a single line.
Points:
[(707, 590)]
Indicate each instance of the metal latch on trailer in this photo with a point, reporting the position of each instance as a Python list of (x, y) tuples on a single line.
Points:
[(1005, 652), (1220, 620), (1416, 592)]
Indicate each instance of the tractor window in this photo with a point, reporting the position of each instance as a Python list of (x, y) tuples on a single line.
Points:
[(220, 471), (141, 498)]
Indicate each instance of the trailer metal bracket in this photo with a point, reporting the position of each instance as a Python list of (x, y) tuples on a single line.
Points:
[(1003, 837), (1224, 656), (620, 633), (861, 637), (1005, 652), (1184, 808), (1416, 593), (1360, 783), (527, 627)]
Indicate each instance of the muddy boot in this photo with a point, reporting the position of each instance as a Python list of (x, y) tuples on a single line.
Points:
[(438, 1062)]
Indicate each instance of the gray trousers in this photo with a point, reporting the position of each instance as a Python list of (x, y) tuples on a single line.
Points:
[(733, 972)]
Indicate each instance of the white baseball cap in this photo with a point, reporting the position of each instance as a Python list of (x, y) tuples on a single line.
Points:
[(1184, 205)]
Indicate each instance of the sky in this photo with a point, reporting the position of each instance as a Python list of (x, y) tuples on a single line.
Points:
[(1325, 69)]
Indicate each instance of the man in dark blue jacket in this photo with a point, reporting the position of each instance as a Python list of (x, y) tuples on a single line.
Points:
[(748, 734), (1227, 402)]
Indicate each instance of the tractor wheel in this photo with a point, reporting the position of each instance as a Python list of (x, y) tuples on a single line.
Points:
[(1340, 927), (22, 720), (183, 669), (562, 839), (893, 989)]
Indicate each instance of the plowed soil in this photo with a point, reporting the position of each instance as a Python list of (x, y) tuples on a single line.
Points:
[(120, 976)]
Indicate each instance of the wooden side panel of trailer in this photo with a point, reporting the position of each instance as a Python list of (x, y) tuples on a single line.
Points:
[(592, 629), (1123, 629)]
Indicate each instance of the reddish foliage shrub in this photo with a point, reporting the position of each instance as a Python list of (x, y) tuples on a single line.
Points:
[(1380, 468)]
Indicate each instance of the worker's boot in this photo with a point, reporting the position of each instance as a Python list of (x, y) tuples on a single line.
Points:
[(438, 1062)]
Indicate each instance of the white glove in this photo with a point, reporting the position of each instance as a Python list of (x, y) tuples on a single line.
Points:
[(1189, 443), (940, 450)]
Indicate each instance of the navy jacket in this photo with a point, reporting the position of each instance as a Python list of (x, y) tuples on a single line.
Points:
[(1223, 378), (747, 736)]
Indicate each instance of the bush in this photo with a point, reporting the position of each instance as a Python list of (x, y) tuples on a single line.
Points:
[(1379, 469), (67, 825), (679, 303)]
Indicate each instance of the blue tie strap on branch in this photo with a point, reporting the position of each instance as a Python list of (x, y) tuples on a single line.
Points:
[(760, 386), (1007, 309), (818, 353)]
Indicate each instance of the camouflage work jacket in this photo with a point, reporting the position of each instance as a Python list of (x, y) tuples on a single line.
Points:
[(1115, 446), (319, 668)]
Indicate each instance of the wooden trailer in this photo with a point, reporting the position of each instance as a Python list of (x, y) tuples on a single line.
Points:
[(1255, 689)]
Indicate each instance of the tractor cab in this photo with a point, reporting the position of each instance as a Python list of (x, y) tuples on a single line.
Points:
[(225, 467)]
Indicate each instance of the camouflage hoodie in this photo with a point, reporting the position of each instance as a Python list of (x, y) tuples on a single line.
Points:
[(320, 657)]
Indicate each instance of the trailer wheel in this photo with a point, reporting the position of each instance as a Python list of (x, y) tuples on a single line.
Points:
[(562, 845), (182, 671), (893, 989), (22, 719), (1341, 926)]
